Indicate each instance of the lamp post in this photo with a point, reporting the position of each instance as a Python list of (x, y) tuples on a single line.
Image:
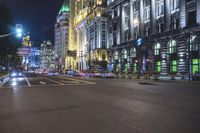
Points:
[(89, 49), (81, 60), (138, 42), (9, 56), (189, 54)]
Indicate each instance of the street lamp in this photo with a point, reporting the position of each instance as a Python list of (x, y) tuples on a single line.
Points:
[(18, 32), (138, 43), (81, 60)]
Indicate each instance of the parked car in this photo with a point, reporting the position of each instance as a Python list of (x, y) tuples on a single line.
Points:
[(107, 75), (70, 73), (80, 74)]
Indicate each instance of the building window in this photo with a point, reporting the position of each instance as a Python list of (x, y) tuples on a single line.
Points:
[(175, 23), (133, 53), (160, 27), (147, 2), (116, 55), (124, 54), (147, 31), (194, 44), (191, 9), (147, 13), (160, 8), (136, 34), (172, 47), (134, 67), (136, 6), (157, 66), (173, 66), (195, 66), (156, 49), (126, 35), (174, 4)]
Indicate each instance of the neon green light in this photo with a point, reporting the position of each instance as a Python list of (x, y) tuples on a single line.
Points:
[(65, 7), (173, 67), (158, 66)]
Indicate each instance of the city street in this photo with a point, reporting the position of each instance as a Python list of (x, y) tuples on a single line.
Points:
[(38, 104)]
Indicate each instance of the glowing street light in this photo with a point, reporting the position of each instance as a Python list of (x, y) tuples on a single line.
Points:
[(18, 30)]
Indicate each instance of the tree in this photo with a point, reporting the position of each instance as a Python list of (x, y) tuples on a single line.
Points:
[(8, 45)]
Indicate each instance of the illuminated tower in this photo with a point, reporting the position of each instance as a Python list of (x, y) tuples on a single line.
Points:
[(61, 35)]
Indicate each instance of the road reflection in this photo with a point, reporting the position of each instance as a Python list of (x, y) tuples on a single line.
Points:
[(14, 81)]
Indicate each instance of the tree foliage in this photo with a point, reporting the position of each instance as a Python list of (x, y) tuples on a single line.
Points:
[(7, 44)]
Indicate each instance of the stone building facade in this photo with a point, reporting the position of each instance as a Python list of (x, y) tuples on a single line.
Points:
[(154, 36)]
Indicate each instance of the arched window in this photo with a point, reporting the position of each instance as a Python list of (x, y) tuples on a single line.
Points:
[(172, 47), (124, 54), (133, 53), (116, 55), (194, 44), (156, 49)]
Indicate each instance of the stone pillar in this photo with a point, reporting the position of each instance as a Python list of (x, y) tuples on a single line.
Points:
[(182, 14), (131, 20), (141, 20), (198, 11), (152, 17), (167, 10)]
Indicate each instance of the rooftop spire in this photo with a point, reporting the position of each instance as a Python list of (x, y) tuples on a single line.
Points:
[(65, 7)]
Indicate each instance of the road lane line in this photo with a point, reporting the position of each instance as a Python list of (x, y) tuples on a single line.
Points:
[(53, 81), (41, 82), (64, 81), (88, 82), (27, 81), (4, 82)]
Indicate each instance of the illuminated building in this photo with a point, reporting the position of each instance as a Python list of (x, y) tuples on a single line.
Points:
[(34, 58), (77, 15), (61, 36), (25, 50), (97, 29), (154, 36), (90, 34), (47, 56), (80, 35)]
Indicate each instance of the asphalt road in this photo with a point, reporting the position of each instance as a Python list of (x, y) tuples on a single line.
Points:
[(38, 104)]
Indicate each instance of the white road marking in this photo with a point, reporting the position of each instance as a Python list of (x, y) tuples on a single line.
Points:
[(64, 81), (4, 82), (27, 81), (53, 81), (41, 82), (88, 82)]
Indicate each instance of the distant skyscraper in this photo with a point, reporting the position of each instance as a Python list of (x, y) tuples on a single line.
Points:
[(61, 35)]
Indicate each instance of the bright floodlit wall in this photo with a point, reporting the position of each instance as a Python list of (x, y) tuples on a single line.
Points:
[(154, 36)]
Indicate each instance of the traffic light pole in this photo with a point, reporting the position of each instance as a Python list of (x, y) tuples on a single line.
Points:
[(5, 35), (18, 32)]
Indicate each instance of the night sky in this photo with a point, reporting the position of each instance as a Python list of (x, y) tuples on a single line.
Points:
[(35, 15)]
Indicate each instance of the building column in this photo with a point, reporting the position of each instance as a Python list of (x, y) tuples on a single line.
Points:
[(198, 11), (182, 8), (122, 23), (131, 21), (167, 11), (152, 17), (119, 27), (141, 20)]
